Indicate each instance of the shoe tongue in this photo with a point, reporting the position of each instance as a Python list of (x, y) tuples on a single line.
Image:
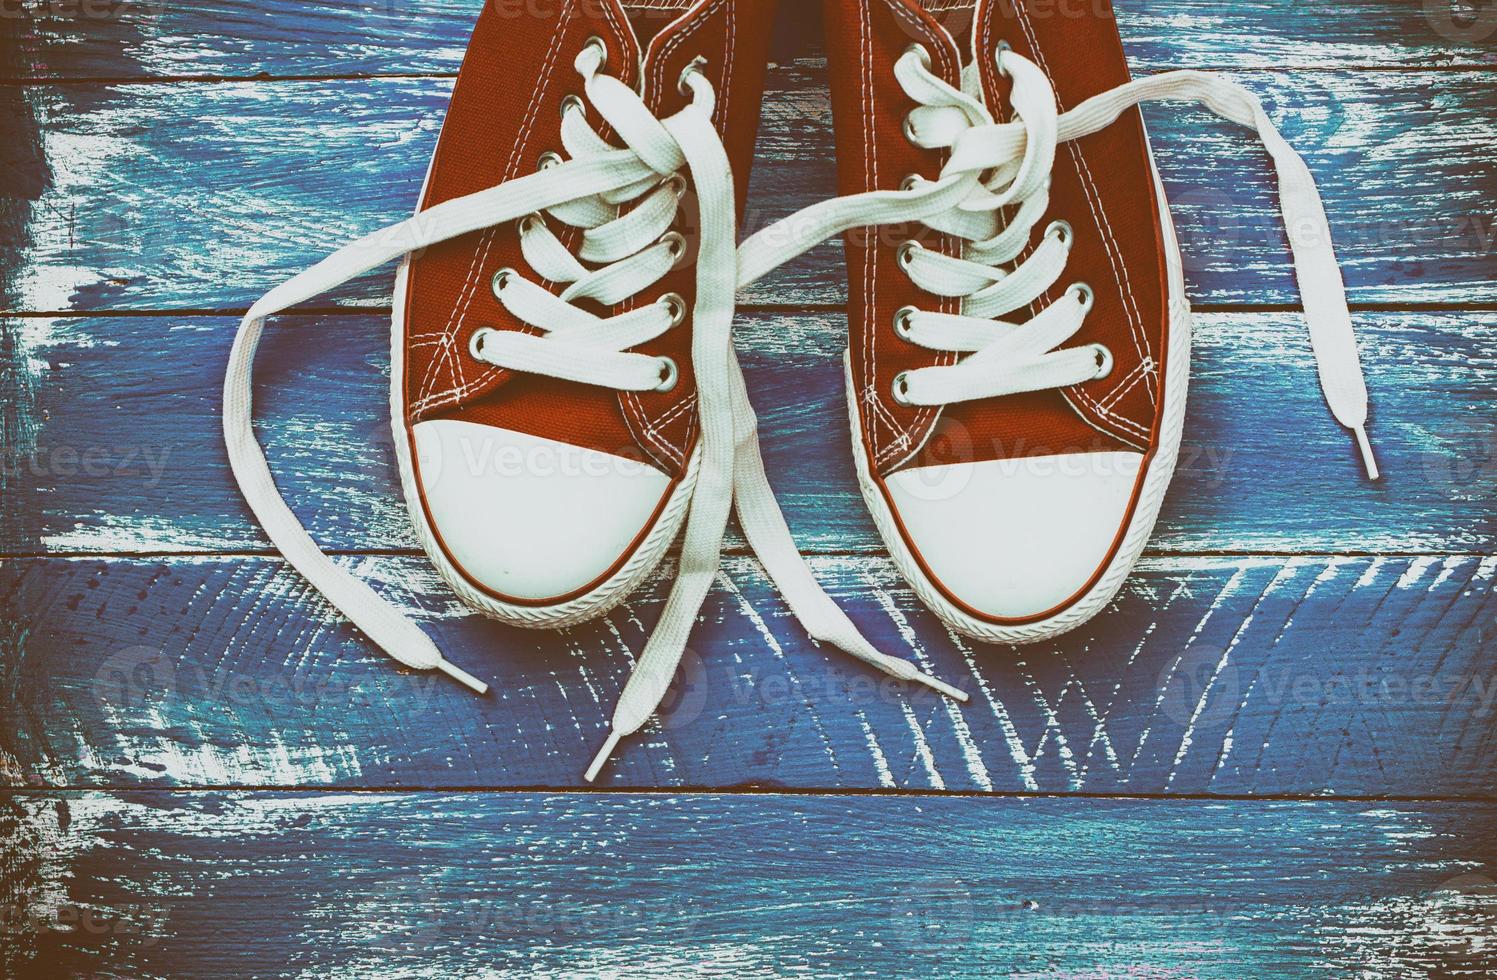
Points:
[(648, 18), (956, 17), (672, 34)]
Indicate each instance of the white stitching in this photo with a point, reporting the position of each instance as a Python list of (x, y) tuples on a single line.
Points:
[(637, 419), (904, 436), (1125, 285), (870, 169), (460, 386), (1127, 383), (1094, 202), (1120, 420)]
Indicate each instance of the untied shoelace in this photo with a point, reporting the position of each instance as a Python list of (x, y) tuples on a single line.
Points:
[(997, 168), (629, 251)]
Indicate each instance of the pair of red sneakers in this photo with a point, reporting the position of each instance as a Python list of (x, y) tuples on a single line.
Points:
[(565, 393)]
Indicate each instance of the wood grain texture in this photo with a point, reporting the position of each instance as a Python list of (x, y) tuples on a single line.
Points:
[(124, 453), (204, 196), (155, 157), (248, 38), (1343, 676), (431, 884)]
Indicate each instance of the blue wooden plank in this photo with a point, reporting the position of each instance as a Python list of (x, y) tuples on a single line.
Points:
[(121, 451), (417, 885), (1260, 676), (25, 177), (203, 196), (245, 38)]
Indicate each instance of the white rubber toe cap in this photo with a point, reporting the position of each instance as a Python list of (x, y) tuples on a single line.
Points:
[(1015, 538), (530, 518)]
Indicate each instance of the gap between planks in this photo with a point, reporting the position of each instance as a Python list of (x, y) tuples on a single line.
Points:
[(265, 78), (730, 549), (739, 791), (746, 309)]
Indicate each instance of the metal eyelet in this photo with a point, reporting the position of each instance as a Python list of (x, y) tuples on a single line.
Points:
[(668, 375), (902, 324), (909, 127), (596, 41), (901, 389), (548, 160), (906, 253), (921, 52), (675, 306), (1003, 48), (573, 102), (677, 183), (529, 222), (475, 342), (676, 242), (500, 280), (695, 65), (1084, 295), (910, 182), (1104, 361), (1061, 231)]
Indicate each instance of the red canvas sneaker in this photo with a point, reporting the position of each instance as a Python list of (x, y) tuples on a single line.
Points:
[(1019, 333), (565, 396)]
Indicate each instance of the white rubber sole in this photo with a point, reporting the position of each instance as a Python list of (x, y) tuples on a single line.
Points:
[(1160, 469)]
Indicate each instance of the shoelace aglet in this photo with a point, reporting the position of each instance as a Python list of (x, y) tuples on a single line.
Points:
[(1365, 445), (937, 684), (905, 671), (462, 676), (602, 756)]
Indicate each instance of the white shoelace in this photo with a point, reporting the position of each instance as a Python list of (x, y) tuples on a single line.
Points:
[(630, 254), (996, 166)]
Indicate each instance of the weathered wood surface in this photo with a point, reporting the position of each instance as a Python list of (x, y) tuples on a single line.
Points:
[(1261, 676), (204, 196), (432, 884), (198, 196), (247, 38), (122, 450), (170, 156)]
